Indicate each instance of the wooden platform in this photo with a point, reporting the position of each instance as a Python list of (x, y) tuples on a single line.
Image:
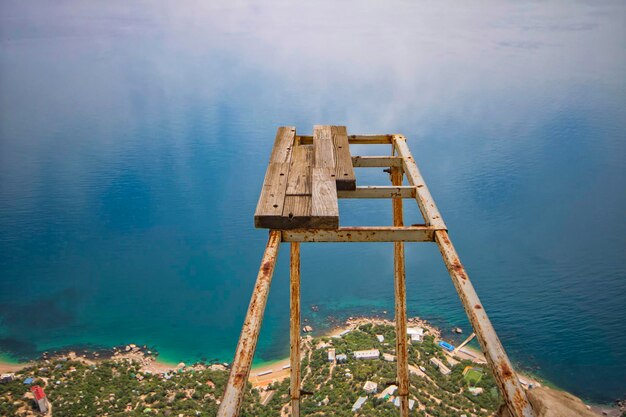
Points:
[(302, 180)]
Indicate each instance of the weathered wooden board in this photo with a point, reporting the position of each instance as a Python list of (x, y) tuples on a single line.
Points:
[(283, 144), (303, 178), (324, 148), (324, 205), (299, 181), (271, 203), (289, 188), (297, 208), (270, 207), (332, 150), (344, 171), (355, 139)]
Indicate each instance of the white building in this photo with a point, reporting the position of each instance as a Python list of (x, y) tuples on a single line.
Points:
[(380, 338), (396, 402), (416, 333), (389, 357), (341, 358), (7, 377), (389, 391), (331, 355), (367, 354), (358, 403), (370, 387), (442, 368)]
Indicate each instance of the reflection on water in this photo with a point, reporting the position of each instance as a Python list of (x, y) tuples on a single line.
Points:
[(134, 138)]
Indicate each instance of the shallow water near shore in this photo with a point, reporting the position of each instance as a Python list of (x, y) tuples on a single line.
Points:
[(134, 140)]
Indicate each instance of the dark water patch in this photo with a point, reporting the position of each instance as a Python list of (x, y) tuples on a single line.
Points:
[(19, 349), (41, 314)]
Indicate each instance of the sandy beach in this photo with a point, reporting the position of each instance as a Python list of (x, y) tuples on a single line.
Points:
[(267, 373), (12, 367)]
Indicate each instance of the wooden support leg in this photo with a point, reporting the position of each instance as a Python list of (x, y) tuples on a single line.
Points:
[(294, 356), (400, 308), (240, 370)]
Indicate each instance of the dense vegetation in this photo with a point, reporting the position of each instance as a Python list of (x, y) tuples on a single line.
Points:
[(120, 388)]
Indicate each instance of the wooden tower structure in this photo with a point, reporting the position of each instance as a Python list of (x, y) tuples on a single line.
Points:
[(305, 178)]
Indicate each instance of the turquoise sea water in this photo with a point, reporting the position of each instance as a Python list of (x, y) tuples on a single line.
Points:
[(134, 139)]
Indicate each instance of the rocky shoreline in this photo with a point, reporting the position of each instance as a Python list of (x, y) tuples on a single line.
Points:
[(147, 358)]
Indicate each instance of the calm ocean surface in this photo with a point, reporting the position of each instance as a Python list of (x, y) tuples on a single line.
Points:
[(134, 139)]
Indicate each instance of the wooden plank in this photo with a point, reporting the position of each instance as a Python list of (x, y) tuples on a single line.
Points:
[(271, 203), (344, 171), (324, 148), (369, 139), (355, 139), (272, 199), (299, 181), (376, 161), (324, 205), (362, 234), (379, 192), (283, 144), (297, 206)]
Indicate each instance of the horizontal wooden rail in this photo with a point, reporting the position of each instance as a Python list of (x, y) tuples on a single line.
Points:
[(353, 139), (379, 192), (376, 161), (362, 234)]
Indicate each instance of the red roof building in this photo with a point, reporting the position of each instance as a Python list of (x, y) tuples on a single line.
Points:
[(40, 397), (38, 391)]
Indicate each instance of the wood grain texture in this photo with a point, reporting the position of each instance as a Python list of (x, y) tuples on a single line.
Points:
[(324, 147), (302, 179), (344, 171), (283, 144), (297, 206), (299, 182), (272, 199), (324, 206)]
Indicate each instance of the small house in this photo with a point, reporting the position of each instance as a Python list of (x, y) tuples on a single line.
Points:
[(367, 354), (388, 392), (358, 403), (40, 398), (331, 355), (341, 358), (396, 402), (416, 334), (370, 387), (380, 338), (7, 377), (439, 365)]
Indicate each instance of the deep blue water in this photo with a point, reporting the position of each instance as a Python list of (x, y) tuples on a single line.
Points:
[(134, 139)]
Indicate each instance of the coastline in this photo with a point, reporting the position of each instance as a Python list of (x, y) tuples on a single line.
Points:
[(264, 374), (278, 372)]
